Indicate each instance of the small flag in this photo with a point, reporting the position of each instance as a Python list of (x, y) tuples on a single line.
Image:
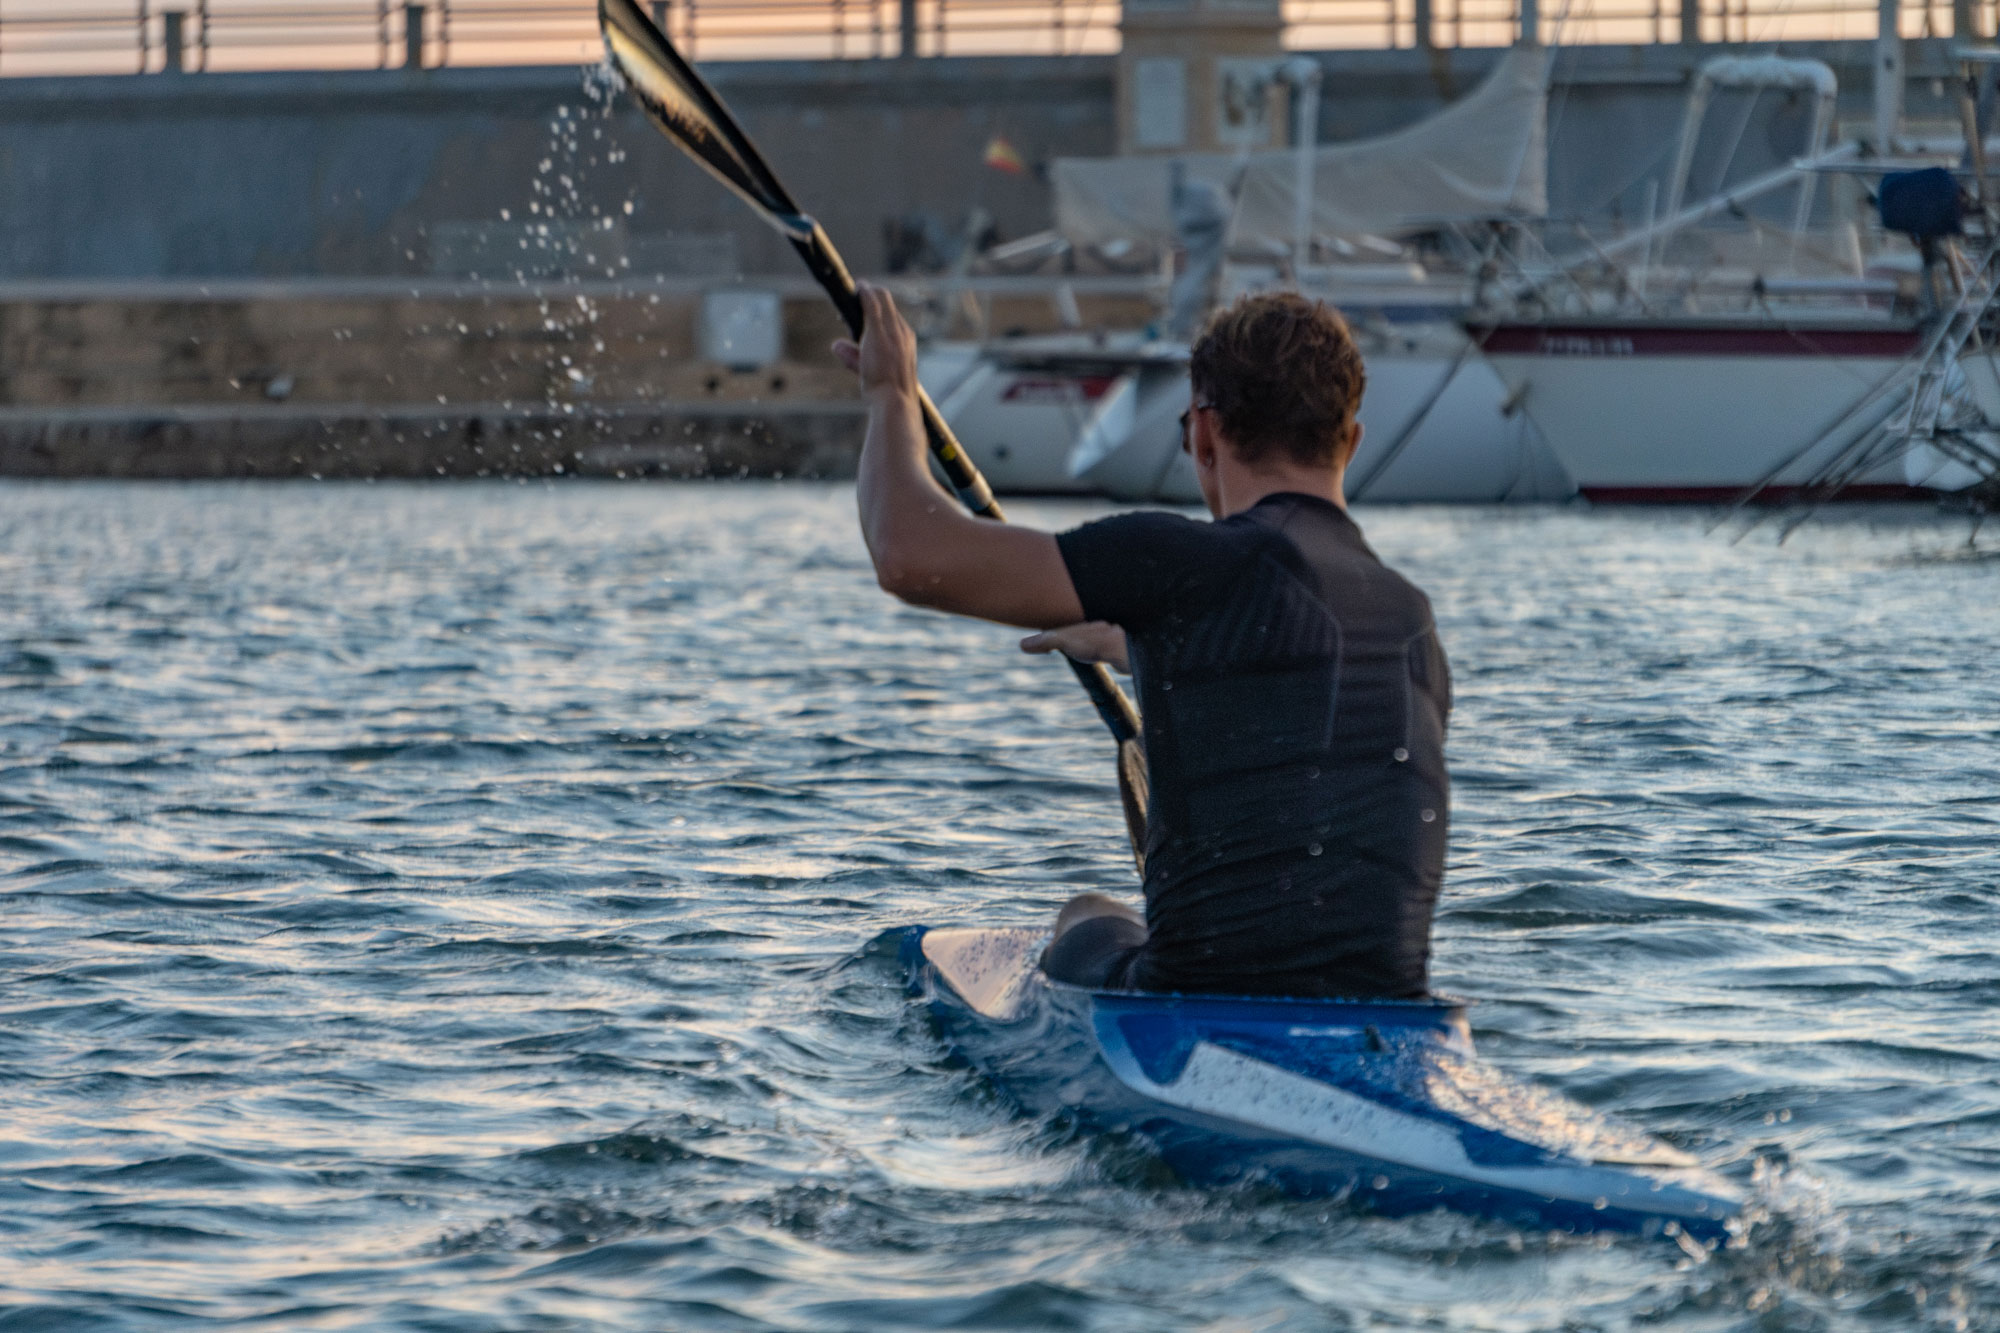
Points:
[(1000, 156)]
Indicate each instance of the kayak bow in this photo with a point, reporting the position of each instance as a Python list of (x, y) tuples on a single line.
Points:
[(1382, 1101)]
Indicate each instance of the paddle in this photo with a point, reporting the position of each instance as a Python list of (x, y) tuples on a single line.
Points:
[(683, 107)]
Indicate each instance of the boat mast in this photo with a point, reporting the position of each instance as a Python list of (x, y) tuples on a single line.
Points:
[(1303, 73)]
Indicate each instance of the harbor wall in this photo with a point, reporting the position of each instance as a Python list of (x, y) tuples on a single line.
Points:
[(443, 172), (438, 172)]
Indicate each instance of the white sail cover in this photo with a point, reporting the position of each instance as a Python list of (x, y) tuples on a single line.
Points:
[(1484, 156)]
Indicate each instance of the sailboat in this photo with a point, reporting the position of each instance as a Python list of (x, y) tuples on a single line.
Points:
[(1705, 383), (1099, 412)]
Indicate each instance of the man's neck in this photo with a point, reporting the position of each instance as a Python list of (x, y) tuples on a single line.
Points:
[(1240, 488)]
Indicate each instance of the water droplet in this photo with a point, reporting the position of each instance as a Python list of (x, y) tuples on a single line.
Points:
[(1600, 1203), (1313, 850), (1402, 755), (1380, 1182), (1430, 816)]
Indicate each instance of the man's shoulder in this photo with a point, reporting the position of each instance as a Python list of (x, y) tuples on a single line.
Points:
[(1132, 568), (1165, 526), (1148, 520), (1164, 542)]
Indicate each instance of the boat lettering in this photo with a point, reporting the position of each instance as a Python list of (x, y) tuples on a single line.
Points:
[(1586, 344), (1052, 390)]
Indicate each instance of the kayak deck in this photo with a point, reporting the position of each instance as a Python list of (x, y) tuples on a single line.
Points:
[(1381, 1101)]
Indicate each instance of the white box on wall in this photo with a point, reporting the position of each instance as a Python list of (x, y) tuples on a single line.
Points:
[(742, 329)]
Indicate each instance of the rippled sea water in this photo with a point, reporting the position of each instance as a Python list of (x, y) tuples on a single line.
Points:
[(445, 908)]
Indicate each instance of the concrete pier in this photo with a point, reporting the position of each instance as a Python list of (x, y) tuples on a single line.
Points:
[(801, 439), (426, 377)]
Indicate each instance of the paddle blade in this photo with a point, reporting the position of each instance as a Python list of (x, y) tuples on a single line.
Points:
[(683, 107)]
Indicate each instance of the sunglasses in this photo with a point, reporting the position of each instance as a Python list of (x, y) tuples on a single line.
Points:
[(1199, 405)]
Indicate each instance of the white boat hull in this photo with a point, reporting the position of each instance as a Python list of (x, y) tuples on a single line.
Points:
[(1466, 450), (1069, 420), (1701, 413), (1017, 426)]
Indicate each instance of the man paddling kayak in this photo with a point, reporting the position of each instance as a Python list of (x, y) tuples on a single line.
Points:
[(1293, 688)]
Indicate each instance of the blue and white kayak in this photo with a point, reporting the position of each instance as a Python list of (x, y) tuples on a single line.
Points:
[(1379, 1101)]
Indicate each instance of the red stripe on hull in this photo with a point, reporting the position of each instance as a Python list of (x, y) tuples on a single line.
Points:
[(1630, 340), (1708, 495)]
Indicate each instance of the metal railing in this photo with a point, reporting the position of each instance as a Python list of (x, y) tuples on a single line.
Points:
[(1331, 24), (154, 36)]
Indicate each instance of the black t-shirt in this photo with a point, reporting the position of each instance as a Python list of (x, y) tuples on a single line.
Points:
[(1295, 699)]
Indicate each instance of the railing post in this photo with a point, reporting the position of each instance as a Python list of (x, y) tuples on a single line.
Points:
[(145, 36), (201, 17), (1888, 75), (1965, 20), (1530, 31), (413, 36), (173, 49), (907, 34), (663, 16), (1426, 39), (1690, 22)]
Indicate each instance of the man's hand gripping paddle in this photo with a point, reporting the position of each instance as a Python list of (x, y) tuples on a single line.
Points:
[(683, 107)]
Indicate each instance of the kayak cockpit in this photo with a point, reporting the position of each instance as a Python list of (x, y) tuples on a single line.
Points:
[(995, 972)]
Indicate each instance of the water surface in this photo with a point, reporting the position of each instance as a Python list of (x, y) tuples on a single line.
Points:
[(445, 908)]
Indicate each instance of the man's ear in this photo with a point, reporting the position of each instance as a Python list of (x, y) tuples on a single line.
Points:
[(1351, 446), (1206, 442)]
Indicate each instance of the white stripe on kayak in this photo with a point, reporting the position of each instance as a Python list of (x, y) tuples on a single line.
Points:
[(1230, 1086)]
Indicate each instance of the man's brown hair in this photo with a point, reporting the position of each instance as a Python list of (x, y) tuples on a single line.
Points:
[(1283, 375)]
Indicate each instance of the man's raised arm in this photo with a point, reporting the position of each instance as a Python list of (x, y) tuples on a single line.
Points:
[(927, 550)]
